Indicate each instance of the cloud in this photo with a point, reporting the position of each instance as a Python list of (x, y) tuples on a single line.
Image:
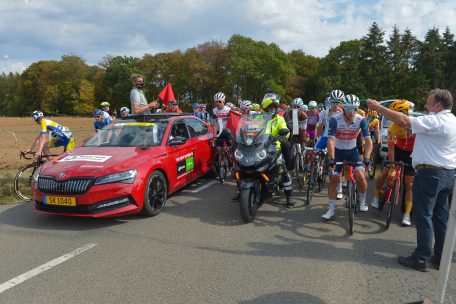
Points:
[(48, 29)]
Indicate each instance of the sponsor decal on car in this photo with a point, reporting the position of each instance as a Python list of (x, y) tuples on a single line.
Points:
[(185, 164), (89, 158)]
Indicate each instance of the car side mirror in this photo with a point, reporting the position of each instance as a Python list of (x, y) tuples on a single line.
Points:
[(178, 140)]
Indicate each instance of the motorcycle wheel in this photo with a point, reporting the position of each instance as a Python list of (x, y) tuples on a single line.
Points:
[(248, 204)]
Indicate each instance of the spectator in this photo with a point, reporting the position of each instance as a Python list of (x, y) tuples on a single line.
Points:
[(434, 158), (105, 108), (124, 112), (138, 101), (173, 107), (100, 120)]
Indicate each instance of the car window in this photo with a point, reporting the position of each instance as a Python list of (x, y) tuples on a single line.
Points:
[(179, 129), (196, 128)]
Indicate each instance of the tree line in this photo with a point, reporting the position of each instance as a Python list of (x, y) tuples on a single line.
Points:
[(398, 66)]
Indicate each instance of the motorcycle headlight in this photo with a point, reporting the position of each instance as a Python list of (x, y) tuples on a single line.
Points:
[(238, 154), (127, 177), (262, 154)]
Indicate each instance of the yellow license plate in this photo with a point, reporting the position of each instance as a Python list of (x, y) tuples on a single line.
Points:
[(60, 200)]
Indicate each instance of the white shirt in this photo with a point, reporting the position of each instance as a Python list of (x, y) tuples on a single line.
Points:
[(323, 120), (435, 142)]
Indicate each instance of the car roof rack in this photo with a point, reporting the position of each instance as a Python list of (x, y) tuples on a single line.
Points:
[(153, 117)]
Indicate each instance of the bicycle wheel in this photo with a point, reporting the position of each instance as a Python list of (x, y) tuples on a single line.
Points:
[(351, 205), (311, 183), (371, 169), (23, 182), (218, 167), (299, 172), (392, 201)]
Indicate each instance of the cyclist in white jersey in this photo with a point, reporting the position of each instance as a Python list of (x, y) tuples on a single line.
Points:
[(343, 131)]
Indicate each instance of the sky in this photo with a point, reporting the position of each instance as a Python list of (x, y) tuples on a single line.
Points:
[(34, 30)]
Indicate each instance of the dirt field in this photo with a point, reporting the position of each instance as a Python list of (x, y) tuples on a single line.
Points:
[(17, 134)]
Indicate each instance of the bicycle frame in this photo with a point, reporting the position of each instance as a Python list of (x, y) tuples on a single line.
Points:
[(399, 177)]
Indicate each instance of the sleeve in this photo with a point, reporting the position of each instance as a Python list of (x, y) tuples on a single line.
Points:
[(321, 117), (427, 124), (364, 128), (332, 127), (134, 96), (43, 126)]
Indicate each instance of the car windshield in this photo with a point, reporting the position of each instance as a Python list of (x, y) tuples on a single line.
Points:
[(129, 134), (252, 129)]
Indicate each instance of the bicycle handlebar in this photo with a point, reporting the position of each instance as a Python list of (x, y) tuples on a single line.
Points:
[(399, 163), (24, 155), (350, 163)]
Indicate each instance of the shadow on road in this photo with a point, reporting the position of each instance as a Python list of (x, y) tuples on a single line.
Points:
[(285, 297)]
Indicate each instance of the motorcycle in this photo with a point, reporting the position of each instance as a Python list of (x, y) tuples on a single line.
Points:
[(258, 164)]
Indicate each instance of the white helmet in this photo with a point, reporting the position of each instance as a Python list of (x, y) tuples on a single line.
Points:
[(124, 110), (297, 102), (337, 96), (219, 96), (246, 104), (305, 108), (351, 100), (312, 104), (37, 114), (229, 105)]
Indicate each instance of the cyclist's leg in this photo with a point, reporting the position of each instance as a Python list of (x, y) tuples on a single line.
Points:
[(379, 186), (286, 179), (409, 172), (360, 180), (333, 180)]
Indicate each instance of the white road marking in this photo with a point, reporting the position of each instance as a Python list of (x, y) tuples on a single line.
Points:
[(205, 186), (34, 272)]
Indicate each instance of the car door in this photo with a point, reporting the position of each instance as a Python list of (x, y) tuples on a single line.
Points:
[(200, 139), (181, 156)]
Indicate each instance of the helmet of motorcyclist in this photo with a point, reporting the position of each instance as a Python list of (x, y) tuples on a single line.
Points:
[(273, 96), (37, 114), (266, 102)]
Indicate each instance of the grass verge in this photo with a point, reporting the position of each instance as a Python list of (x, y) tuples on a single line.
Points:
[(7, 194)]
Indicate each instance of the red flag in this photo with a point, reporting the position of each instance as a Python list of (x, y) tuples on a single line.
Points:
[(167, 94)]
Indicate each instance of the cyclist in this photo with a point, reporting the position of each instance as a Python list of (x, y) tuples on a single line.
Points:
[(256, 108), (62, 136), (246, 107), (312, 121), (224, 114), (333, 102), (100, 119), (296, 120), (124, 112), (204, 113), (374, 126), (196, 110), (343, 130), (270, 104), (400, 147)]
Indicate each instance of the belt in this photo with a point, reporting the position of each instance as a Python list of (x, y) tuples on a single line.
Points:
[(430, 167)]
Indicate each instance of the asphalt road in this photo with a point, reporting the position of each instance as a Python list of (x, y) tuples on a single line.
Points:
[(198, 250)]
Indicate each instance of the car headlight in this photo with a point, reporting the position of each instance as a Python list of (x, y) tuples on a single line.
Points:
[(262, 154), (127, 177), (238, 154)]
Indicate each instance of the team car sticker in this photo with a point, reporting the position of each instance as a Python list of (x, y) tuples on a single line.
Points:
[(89, 158), (185, 164)]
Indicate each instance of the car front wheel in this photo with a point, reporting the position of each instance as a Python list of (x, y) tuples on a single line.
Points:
[(155, 194)]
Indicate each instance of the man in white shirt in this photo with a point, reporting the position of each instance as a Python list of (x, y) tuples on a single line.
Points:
[(434, 158)]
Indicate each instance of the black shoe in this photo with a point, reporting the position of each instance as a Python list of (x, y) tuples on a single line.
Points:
[(289, 204), (412, 262), (434, 262), (236, 196)]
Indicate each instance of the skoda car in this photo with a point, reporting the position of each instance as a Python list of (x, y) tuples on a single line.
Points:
[(129, 166)]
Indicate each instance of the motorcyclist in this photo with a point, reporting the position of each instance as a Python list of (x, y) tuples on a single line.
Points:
[(270, 104)]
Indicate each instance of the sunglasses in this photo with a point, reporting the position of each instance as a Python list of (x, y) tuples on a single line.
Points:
[(351, 109), (97, 117), (219, 101)]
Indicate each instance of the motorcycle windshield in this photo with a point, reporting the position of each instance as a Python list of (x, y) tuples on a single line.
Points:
[(253, 129)]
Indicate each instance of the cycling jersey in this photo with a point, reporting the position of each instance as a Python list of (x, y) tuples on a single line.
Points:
[(312, 121), (345, 135), (374, 124), (401, 137), (55, 130), (221, 116), (324, 121)]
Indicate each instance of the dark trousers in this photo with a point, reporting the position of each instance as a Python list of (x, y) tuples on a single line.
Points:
[(431, 189)]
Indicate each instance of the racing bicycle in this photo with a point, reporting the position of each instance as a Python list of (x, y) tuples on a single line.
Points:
[(223, 162), (25, 175), (352, 197), (392, 190)]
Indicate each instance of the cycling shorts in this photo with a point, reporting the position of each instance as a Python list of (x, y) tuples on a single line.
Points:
[(67, 145), (223, 137), (405, 156), (351, 155)]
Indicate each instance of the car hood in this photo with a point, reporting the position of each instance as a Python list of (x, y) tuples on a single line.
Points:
[(99, 161)]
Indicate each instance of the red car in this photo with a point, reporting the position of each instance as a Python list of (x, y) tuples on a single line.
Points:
[(129, 166)]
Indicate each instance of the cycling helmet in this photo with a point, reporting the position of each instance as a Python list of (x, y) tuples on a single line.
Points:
[(246, 104), (297, 102), (105, 104), (400, 105), (266, 102), (195, 106), (273, 96), (336, 96), (202, 106), (305, 108), (219, 96), (229, 105), (351, 101), (312, 104), (255, 107), (97, 112), (124, 110), (374, 114), (37, 114)]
